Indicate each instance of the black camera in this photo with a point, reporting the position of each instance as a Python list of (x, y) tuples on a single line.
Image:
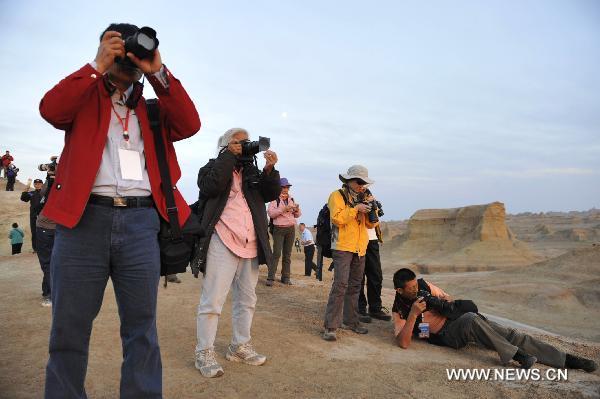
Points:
[(376, 210), (141, 44), (50, 167), (440, 305), (251, 148)]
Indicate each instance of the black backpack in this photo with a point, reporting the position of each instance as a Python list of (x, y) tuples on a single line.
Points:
[(324, 228)]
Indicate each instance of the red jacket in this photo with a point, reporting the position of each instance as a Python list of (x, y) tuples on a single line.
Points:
[(7, 159), (80, 105)]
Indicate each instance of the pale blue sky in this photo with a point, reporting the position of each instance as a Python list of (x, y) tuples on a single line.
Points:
[(448, 103)]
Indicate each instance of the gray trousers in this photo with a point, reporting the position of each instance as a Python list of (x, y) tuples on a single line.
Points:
[(343, 298), (471, 327), (283, 241)]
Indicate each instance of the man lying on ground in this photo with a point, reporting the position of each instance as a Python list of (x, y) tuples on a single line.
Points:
[(422, 309)]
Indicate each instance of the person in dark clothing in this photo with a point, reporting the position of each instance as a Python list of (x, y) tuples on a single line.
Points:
[(412, 313), (11, 173), (45, 231), (297, 245), (374, 280), (33, 197), (234, 243), (309, 250)]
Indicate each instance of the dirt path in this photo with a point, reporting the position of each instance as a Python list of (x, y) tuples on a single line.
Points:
[(286, 328)]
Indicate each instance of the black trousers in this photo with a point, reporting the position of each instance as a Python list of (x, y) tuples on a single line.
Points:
[(374, 278), (16, 248), (10, 183), (32, 220), (45, 244), (309, 265)]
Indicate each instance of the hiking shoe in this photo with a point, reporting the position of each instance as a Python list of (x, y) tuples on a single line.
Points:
[(207, 364), (269, 283), (380, 315), (172, 278), (329, 334), (527, 361), (576, 362), (364, 318), (246, 354), (46, 301), (286, 281), (357, 329)]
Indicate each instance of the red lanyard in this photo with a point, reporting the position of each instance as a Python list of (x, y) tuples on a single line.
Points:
[(124, 122)]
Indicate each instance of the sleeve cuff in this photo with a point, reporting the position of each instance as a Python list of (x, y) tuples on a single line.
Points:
[(162, 77)]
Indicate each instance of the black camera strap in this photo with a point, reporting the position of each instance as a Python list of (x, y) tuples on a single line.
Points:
[(165, 177)]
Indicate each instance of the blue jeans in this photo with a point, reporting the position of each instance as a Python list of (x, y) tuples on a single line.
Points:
[(120, 243)]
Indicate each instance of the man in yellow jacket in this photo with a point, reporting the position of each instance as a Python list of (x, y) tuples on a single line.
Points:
[(348, 209)]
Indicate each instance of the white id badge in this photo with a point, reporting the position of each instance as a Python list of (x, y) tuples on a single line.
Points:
[(131, 166)]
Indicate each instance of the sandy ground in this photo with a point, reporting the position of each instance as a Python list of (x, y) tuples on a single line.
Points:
[(286, 328)]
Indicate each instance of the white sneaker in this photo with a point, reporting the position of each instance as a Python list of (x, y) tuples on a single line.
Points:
[(207, 364), (46, 302), (244, 353)]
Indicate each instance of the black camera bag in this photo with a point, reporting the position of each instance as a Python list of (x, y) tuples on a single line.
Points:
[(177, 244)]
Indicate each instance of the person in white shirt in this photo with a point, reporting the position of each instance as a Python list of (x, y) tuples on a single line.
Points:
[(309, 250)]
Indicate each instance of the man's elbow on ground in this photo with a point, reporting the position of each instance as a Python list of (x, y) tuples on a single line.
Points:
[(400, 343)]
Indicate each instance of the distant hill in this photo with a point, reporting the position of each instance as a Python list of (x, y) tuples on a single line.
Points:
[(468, 238)]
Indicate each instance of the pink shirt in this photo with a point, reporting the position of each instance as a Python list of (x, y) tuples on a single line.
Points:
[(235, 227), (281, 218)]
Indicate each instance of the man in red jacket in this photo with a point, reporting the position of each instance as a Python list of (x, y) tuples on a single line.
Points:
[(6, 160), (105, 199)]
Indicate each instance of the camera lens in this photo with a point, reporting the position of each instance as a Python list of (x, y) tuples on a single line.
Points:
[(145, 41)]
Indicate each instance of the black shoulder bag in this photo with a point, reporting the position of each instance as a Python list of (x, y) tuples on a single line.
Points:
[(177, 244)]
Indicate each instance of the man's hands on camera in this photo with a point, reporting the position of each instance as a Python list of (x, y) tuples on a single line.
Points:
[(418, 306), (111, 46), (146, 65), (363, 208)]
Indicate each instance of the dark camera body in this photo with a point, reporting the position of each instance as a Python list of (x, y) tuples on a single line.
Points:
[(50, 167), (441, 306), (247, 159), (251, 148), (141, 44), (376, 209)]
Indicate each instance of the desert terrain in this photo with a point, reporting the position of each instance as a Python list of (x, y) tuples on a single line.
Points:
[(553, 297)]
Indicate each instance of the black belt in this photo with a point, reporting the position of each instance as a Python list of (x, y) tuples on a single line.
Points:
[(124, 202)]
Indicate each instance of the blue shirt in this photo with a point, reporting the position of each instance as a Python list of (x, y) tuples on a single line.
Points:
[(307, 238)]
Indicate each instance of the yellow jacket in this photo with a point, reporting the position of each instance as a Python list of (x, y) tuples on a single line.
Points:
[(348, 226)]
